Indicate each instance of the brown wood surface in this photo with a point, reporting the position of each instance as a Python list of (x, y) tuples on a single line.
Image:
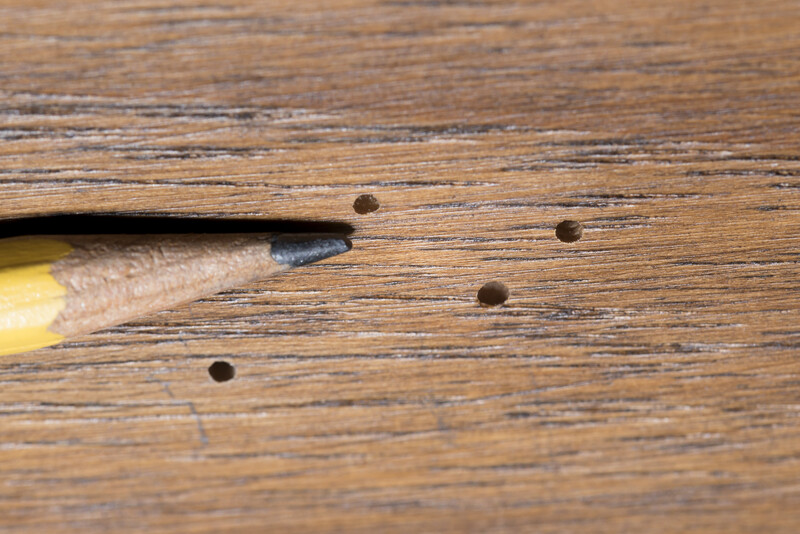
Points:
[(643, 379)]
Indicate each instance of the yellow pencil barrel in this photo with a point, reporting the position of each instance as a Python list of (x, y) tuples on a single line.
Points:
[(30, 297)]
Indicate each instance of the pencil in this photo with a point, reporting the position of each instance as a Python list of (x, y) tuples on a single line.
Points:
[(56, 287)]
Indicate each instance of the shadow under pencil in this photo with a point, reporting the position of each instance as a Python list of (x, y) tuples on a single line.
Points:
[(114, 224)]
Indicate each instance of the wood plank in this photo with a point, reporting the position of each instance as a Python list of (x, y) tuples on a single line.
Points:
[(644, 378)]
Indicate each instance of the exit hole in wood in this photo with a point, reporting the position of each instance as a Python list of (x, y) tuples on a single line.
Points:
[(493, 294), (569, 231), (366, 204), (221, 371)]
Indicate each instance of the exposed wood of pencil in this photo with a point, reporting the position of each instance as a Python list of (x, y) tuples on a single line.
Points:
[(642, 379), (113, 279)]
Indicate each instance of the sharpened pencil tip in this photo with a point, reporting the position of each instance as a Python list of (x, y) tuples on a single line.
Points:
[(302, 249)]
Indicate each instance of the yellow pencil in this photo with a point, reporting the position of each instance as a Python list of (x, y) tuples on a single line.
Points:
[(56, 287)]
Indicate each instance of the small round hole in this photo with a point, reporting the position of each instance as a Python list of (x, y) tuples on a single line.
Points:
[(366, 204), (493, 294), (222, 371), (569, 231)]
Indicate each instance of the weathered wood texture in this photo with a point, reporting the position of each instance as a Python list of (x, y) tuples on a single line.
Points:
[(643, 379)]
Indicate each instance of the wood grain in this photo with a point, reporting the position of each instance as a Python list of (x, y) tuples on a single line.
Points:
[(642, 379)]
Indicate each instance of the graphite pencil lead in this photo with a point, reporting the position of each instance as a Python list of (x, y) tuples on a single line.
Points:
[(302, 249)]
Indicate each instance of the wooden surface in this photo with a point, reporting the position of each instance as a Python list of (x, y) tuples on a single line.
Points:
[(643, 379)]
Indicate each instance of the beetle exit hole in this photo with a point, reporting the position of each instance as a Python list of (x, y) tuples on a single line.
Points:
[(366, 204), (569, 231), (221, 371), (493, 294)]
